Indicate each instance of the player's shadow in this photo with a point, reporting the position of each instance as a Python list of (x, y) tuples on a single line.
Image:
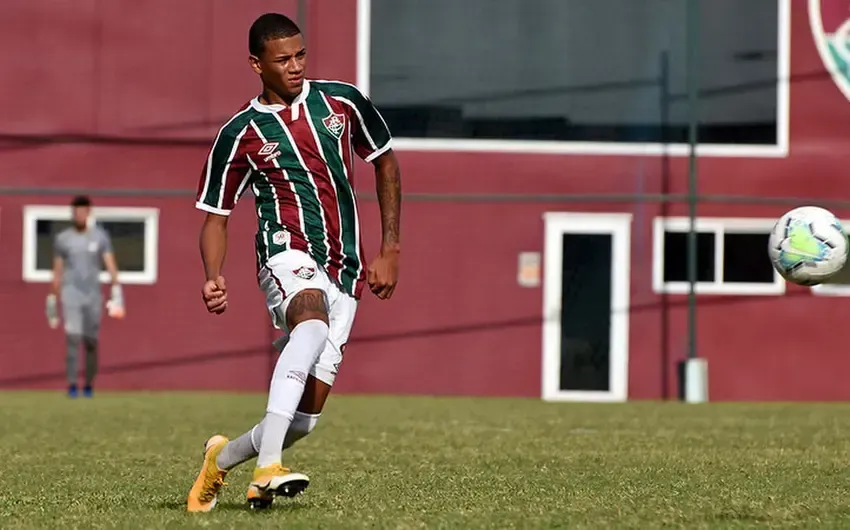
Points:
[(280, 505)]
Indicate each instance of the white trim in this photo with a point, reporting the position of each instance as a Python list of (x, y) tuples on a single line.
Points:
[(831, 289), (546, 147), (301, 98), (379, 152), (783, 78), (211, 209), (778, 150), (618, 225), (149, 216), (364, 45), (717, 226)]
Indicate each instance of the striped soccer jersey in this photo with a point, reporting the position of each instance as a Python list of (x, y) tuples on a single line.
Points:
[(298, 161)]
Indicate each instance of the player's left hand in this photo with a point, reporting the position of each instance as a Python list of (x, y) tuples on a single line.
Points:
[(214, 293), (382, 274)]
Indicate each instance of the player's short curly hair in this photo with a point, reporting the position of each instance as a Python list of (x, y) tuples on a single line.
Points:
[(81, 201), (268, 27)]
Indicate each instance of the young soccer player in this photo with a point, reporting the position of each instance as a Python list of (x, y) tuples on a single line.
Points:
[(293, 146), (78, 252)]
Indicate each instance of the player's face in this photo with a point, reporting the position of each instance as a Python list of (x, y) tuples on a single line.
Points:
[(81, 216), (281, 66)]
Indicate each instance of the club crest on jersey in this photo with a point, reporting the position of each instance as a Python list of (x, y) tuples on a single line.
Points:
[(830, 25), (269, 151), (281, 237), (335, 124), (304, 272)]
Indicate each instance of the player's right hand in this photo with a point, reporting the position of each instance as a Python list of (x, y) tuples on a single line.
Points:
[(215, 295)]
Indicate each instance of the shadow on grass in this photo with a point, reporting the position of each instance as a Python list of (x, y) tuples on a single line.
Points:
[(280, 505)]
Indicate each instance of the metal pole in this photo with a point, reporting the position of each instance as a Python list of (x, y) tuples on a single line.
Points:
[(692, 73)]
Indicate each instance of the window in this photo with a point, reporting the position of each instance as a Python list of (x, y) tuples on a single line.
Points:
[(608, 72), (134, 234), (731, 256)]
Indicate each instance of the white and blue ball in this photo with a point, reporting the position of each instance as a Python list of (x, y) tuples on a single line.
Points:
[(808, 245)]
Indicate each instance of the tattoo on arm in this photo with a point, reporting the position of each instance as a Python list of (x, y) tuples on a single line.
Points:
[(388, 183)]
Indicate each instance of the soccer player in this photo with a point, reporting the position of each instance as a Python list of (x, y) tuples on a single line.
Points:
[(293, 146), (78, 252)]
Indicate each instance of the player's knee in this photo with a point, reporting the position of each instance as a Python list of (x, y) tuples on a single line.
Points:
[(309, 304), (73, 340), (302, 425)]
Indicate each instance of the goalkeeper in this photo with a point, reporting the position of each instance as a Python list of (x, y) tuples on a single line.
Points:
[(78, 252)]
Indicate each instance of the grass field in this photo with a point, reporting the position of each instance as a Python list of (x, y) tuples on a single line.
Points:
[(128, 460)]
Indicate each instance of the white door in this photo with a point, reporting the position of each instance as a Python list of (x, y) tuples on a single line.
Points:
[(586, 306)]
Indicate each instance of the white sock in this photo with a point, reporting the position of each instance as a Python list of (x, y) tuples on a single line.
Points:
[(247, 446), (301, 426), (305, 344), (237, 451)]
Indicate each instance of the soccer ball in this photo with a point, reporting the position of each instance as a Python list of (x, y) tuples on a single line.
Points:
[(808, 245)]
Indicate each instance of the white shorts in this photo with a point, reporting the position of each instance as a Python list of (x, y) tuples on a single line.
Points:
[(287, 274)]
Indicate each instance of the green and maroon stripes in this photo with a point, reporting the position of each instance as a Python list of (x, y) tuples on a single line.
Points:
[(221, 181), (371, 133), (334, 167), (303, 199)]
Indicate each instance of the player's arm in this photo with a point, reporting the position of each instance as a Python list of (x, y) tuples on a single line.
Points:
[(52, 307), (225, 174), (372, 142), (111, 267), (388, 186), (115, 305), (58, 268), (213, 244)]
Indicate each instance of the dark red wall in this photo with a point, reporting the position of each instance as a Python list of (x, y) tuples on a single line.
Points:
[(459, 323)]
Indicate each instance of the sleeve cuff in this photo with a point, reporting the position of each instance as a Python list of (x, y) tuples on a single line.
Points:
[(211, 209), (380, 151)]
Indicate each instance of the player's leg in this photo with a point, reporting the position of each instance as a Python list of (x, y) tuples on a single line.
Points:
[(319, 382), (323, 373), (290, 280), (91, 330), (305, 314), (72, 315)]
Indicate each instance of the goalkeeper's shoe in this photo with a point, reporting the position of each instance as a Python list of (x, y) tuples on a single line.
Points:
[(274, 480), (204, 493)]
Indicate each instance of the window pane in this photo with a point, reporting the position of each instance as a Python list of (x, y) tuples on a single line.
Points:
[(45, 231), (588, 71), (676, 257), (745, 259), (128, 242)]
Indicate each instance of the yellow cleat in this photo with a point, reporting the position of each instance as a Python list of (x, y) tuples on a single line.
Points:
[(204, 493), (274, 480)]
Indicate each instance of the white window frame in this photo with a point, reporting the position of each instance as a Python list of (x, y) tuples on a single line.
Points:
[(777, 150), (619, 227), (149, 216), (834, 289), (718, 226)]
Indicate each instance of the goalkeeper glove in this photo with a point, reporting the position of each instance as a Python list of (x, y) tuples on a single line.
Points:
[(52, 311), (115, 305)]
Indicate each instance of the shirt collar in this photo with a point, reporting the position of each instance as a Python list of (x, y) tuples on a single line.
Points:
[(274, 109)]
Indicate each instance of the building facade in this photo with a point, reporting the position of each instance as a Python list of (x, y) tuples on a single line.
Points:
[(539, 258)]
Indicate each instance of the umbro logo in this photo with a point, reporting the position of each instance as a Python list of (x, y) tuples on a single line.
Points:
[(269, 151)]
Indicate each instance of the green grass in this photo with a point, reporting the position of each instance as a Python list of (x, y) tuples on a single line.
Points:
[(128, 460)]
